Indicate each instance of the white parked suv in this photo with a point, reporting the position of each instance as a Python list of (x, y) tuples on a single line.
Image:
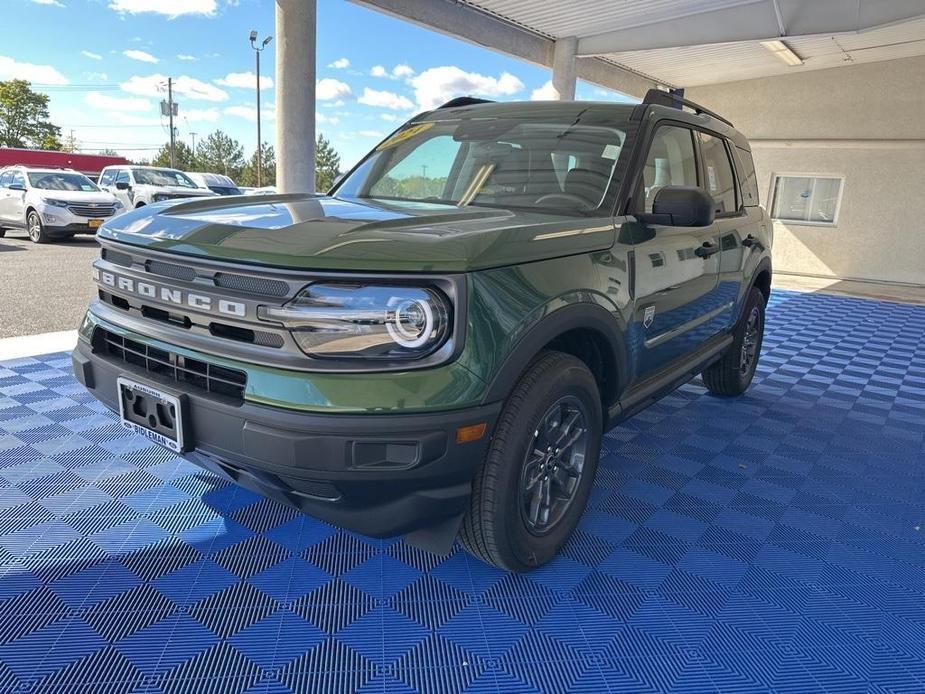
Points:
[(136, 186), (217, 183), (52, 203)]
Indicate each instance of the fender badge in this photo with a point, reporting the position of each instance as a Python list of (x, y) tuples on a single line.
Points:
[(649, 316)]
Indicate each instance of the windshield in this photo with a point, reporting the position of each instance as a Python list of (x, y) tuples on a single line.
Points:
[(163, 177), (493, 162), (59, 180)]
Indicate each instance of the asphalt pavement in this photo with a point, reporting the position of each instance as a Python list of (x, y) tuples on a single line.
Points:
[(44, 288)]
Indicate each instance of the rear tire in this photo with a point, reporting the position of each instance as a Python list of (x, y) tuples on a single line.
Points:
[(35, 228), (733, 373), (511, 523)]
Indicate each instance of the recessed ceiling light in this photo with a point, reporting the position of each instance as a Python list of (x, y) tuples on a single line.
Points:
[(783, 51)]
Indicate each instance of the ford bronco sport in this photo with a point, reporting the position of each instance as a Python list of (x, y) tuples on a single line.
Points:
[(436, 347)]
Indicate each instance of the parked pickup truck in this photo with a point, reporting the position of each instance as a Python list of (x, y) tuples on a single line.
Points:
[(437, 346)]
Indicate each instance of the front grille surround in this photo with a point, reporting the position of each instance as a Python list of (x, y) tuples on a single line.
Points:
[(199, 374), (93, 212)]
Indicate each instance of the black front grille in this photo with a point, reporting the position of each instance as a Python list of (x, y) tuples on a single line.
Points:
[(198, 374), (92, 210), (251, 285), (117, 257), (177, 272)]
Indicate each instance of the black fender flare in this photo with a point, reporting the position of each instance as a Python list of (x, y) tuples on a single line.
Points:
[(583, 315), (763, 265)]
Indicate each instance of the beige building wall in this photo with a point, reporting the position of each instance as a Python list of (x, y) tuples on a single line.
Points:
[(865, 123)]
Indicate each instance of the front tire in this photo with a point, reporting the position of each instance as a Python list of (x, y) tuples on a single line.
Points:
[(733, 373), (35, 228), (533, 486)]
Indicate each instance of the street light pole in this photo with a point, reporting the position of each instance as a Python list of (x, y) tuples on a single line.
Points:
[(259, 152)]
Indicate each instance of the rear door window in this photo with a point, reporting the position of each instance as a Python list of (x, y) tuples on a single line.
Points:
[(718, 172)]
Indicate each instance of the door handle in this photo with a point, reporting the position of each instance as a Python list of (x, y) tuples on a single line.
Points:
[(750, 241), (706, 250)]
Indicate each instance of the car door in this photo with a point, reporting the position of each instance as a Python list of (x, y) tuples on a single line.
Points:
[(734, 220), (676, 269), (123, 193), (16, 199), (5, 179)]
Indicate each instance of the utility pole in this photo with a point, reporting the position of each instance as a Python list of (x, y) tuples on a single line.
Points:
[(193, 135), (259, 152), (173, 160)]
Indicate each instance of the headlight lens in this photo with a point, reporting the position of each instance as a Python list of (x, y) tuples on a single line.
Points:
[(54, 202), (117, 204), (370, 321)]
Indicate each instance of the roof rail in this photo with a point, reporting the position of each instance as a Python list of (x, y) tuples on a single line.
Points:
[(464, 101), (663, 98)]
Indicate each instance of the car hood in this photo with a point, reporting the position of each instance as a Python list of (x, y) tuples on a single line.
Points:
[(326, 233), (78, 197)]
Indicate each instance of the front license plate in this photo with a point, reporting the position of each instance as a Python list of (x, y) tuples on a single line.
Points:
[(152, 413), (95, 223)]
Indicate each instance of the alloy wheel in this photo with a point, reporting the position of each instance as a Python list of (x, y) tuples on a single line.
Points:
[(750, 341), (554, 464)]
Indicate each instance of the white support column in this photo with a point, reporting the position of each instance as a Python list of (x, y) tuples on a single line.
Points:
[(295, 96), (564, 68)]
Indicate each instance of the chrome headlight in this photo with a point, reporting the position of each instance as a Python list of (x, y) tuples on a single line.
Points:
[(54, 202), (117, 204), (160, 197), (368, 321)]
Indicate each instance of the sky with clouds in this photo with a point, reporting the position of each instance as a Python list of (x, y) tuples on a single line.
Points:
[(105, 64)]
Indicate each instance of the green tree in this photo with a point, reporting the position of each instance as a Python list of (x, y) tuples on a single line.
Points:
[(71, 143), (248, 175), (51, 143), (183, 156), (107, 152), (219, 153), (327, 164), (24, 120)]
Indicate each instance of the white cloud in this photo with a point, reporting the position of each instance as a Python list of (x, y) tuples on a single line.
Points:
[(170, 8), (53, 3), (187, 57), (244, 80), (116, 103), (396, 102), (370, 133), (141, 56), (322, 118), (340, 64), (131, 119), (389, 117), (156, 86), (10, 68), (397, 72), (209, 115), (92, 56), (440, 84), (544, 93), (96, 76), (249, 113), (332, 90)]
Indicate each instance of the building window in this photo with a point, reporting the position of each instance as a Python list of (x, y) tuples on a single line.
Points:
[(807, 199)]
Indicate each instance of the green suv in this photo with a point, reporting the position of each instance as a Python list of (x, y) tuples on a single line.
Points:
[(437, 346)]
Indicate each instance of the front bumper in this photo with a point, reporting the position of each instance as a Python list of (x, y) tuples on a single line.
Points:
[(377, 474), (60, 221)]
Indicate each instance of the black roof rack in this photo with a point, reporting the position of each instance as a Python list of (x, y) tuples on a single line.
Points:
[(464, 101), (663, 98)]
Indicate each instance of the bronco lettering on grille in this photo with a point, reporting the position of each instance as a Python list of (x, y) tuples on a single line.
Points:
[(179, 297)]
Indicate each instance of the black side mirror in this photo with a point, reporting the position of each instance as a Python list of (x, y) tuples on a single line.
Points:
[(681, 206), (17, 186), (122, 185)]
